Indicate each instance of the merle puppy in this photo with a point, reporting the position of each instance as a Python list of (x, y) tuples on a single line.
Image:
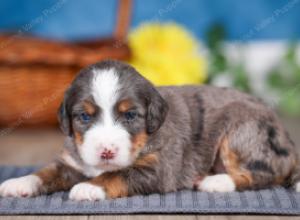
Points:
[(126, 137)]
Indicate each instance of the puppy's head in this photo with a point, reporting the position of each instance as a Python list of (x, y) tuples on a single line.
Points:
[(110, 110)]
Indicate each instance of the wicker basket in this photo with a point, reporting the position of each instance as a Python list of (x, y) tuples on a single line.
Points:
[(34, 73)]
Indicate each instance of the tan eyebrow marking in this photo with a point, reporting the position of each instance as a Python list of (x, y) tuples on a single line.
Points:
[(125, 105), (89, 107)]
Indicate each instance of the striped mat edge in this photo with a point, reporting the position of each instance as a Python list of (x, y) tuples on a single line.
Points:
[(275, 201)]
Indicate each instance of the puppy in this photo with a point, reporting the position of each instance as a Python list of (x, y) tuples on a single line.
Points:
[(126, 137)]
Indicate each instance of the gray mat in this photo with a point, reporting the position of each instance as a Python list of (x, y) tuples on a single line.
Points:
[(271, 201)]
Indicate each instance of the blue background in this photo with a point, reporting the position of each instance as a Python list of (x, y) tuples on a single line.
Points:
[(81, 19)]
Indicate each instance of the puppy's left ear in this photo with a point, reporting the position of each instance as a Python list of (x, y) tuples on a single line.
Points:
[(157, 111)]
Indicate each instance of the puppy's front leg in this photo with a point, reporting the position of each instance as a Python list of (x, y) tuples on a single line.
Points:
[(141, 178), (55, 177), (105, 186)]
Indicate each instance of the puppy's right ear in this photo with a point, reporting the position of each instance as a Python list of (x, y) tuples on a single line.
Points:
[(64, 118), (157, 110)]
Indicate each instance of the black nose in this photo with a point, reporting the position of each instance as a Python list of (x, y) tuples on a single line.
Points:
[(107, 154)]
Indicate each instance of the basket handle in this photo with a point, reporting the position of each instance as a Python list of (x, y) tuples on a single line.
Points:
[(123, 19)]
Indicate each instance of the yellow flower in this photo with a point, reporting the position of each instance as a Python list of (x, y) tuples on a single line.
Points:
[(166, 54)]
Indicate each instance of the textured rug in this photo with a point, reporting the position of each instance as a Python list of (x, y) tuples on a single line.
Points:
[(277, 201)]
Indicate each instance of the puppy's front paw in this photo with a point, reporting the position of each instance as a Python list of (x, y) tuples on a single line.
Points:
[(217, 183), (25, 186), (87, 191)]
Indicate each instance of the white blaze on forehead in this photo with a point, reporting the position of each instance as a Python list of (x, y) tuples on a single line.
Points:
[(105, 88)]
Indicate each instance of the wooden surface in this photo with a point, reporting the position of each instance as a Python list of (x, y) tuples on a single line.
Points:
[(38, 147), (149, 217)]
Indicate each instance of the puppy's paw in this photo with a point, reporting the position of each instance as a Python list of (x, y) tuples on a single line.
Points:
[(26, 186), (87, 191), (297, 187), (217, 183)]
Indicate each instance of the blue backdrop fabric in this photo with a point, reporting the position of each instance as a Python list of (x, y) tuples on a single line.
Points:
[(81, 19)]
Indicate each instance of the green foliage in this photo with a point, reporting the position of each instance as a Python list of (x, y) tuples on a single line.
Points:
[(241, 80), (218, 62), (284, 80)]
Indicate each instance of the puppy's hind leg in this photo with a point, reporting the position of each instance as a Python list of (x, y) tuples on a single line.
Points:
[(253, 148), (236, 176)]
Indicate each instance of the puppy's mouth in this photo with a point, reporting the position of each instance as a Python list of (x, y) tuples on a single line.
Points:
[(109, 166)]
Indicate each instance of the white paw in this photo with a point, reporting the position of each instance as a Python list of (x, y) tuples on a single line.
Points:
[(87, 191), (297, 187), (217, 183), (25, 186)]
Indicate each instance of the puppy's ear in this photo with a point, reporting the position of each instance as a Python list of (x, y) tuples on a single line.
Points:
[(64, 117), (157, 111)]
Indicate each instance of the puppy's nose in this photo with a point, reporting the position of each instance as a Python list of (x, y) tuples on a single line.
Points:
[(107, 154)]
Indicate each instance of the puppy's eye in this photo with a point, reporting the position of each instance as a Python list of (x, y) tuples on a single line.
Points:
[(130, 115), (85, 117)]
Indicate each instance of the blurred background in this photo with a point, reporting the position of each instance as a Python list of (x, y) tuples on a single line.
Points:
[(252, 46)]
